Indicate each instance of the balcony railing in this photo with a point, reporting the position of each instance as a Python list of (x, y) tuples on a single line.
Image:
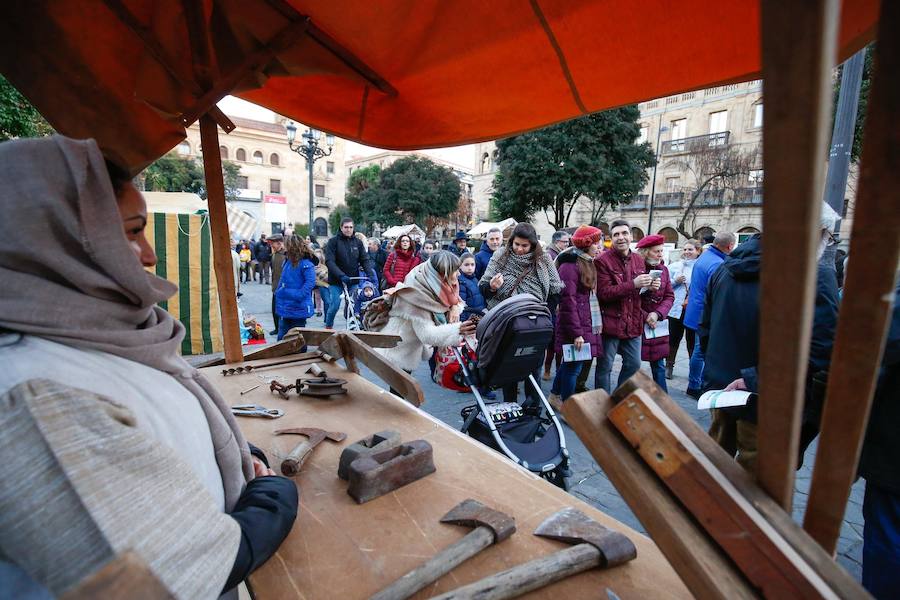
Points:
[(695, 143), (637, 203), (751, 196), (668, 200), (710, 198), (322, 202)]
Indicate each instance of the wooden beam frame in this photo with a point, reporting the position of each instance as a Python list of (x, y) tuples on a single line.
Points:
[(798, 49), (373, 339), (865, 311)]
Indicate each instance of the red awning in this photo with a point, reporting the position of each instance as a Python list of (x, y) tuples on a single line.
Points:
[(396, 74)]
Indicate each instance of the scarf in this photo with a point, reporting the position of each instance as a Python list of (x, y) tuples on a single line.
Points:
[(596, 315), (521, 276), (426, 289), (77, 281)]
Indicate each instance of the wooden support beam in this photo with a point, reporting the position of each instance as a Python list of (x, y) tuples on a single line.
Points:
[(798, 50), (283, 348), (695, 557), (729, 518), (345, 344), (868, 293), (373, 339), (822, 562), (221, 240)]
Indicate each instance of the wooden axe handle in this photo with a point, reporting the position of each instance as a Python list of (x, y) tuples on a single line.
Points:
[(529, 576), (291, 464), (439, 565)]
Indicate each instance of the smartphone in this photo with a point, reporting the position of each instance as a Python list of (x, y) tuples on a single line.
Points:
[(656, 273)]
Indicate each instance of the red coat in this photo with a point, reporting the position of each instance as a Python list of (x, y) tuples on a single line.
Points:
[(398, 264), (574, 316), (620, 301), (659, 302)]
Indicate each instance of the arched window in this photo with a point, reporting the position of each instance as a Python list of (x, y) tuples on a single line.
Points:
[(320, 227), (604, 227), (258, 157), (274, 160), (494, 156), (637, 234), (241, 155), (485, 163), (704, 232), (670, 234), (184, 148), (223, 152)]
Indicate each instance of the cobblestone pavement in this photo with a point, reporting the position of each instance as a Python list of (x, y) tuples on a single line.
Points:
[(588, 481)]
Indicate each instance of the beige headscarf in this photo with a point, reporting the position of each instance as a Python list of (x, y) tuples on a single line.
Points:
[(69, 275)]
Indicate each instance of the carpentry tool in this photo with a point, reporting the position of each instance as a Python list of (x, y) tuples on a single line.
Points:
[(248, 390), (491, 527), (375, 475), (291, 464), (597, 547), (375, 443), (275, 386), (322, 386), (256, 410), (300, 358), (315, 369)]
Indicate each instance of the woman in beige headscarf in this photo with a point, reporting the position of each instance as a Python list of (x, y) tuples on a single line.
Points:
[(111, 441)]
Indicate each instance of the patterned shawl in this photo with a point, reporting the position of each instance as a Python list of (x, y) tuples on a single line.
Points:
[(539, 280)]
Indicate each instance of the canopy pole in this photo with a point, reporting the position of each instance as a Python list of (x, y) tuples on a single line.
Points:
[(221, 239), (798, 49), (866, 308)]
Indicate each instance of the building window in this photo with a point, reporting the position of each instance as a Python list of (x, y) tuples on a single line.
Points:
[(242, 183), (258, 157), (184, 148), (223, 152), (672, 184), (274, 160), (274, 186), (241, 155), (755, 178), (320, 190), (642, 138), (757, 114), (718, 127), (329, 167), (679, 129)]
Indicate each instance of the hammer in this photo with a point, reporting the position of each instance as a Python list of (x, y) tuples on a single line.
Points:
[(491, 526), (597, 547), (290, 466)]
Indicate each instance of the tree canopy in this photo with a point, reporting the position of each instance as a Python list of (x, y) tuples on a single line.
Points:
[(360, 180), (173, 173), (549, 169), (18, 118), (410, 190)]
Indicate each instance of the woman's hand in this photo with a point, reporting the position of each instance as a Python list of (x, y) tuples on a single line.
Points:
[(737, 384), (260, 469), (496, 281), (467, 328), (680, 279), (578, 343), (652, 318)]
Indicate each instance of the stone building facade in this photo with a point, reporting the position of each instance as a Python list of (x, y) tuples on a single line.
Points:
[(273, 179), (728, 115)]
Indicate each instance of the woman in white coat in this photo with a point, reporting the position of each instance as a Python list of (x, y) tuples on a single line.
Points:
[(680, 274), (425, 311)]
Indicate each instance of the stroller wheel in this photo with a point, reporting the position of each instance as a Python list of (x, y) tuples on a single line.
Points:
[(557, 478)]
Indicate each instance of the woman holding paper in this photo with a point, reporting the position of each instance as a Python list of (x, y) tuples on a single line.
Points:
[(578, 324), (656, 302)]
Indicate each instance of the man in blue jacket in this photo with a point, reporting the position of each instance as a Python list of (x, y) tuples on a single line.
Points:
[(705, 266), (483, 256)]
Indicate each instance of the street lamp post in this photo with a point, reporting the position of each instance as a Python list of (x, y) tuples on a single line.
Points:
[(310, 150), (659, 132)]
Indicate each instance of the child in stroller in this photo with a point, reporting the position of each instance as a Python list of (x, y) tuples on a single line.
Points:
[(512, 340), (364, 295)]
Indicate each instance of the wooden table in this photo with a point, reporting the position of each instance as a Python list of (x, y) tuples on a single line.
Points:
[(339, 549)]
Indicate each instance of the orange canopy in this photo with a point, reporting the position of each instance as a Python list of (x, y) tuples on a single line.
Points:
[(396, 74)]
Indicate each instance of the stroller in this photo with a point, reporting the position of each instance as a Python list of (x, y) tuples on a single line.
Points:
[(513, 339)]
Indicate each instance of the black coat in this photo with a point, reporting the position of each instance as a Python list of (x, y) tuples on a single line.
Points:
[(378, 259), (263, 251), (881, 448), (344, 256)]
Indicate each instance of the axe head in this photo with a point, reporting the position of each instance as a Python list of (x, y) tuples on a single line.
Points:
[(472, 513), (315, 435), (574, 527)]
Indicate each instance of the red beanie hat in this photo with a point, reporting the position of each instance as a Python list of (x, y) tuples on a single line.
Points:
[(586, 235), (650, 241)]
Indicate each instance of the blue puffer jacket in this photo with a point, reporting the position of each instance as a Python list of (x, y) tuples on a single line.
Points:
[(293, 298), (471, 295), (482, 258)]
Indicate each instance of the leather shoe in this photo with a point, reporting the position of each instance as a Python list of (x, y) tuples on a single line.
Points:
[(693, 393)]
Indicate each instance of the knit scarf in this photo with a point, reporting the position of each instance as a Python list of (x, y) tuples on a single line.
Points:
[(596, 315), (521, 276), (426, 289)]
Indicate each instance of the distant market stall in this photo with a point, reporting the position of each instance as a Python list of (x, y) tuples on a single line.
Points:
[(396, 231), (481, 230)]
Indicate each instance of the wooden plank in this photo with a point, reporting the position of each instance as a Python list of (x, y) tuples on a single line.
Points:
[(727, 516), (221, 241), (126, 577), (282, 348), (821, 561), (866, 307), (798, 50), (373, 339), (347, 346), (696, 558), (339, 549)]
